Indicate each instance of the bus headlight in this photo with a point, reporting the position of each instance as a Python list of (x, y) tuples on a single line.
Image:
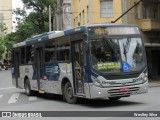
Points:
[(145, 78), (96, 82)]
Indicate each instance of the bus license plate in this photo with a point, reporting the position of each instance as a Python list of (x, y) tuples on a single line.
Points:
[(124, 89)]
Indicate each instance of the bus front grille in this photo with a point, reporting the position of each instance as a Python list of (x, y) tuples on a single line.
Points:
[(118, 92)]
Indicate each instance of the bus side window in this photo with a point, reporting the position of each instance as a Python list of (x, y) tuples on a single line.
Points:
[(63, 52), (23, 55), (12, 59), (29, 55), (49, 52)]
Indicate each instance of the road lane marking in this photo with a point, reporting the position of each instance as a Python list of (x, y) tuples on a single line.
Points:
[(13, 98), (1, 96), (7, 88), (32, 98)]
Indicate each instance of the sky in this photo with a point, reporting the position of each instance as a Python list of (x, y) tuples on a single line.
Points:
[(16, 4)]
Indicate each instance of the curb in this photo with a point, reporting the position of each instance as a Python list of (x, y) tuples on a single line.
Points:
[(154, 84)]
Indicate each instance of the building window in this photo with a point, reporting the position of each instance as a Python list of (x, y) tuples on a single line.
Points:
[(83, 17), (74, 22), (106, 8), (145, 11), (155, 11), (79, 19), (87, 13), (136, 12)]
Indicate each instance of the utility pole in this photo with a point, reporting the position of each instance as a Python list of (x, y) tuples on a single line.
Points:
[(53, 23), (49, 18)]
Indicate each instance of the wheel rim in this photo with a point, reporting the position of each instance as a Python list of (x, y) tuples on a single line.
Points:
[(27, 89), (69, 93)]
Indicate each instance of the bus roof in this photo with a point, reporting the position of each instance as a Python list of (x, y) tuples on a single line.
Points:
[(56, 34)]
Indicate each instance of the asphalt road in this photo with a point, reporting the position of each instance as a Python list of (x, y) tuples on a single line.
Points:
[(13, 99)]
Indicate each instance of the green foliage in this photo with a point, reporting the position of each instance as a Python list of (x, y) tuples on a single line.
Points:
[(1, 47), (36, 22), (9, 40), (3, 28), (21, 14), (2, 43)]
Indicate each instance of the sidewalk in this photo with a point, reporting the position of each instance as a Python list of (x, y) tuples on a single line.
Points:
[(154, 83)]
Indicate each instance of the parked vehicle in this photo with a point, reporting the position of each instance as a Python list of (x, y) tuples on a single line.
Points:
[(0, 68), (7, 66)]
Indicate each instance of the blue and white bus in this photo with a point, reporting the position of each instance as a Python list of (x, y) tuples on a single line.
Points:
[(102, 61)]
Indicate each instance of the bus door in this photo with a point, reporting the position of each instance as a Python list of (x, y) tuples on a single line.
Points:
[(16, 68), (39, 65), (78, 66)]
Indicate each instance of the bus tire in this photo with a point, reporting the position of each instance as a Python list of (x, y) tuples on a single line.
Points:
[(114, 98), (68, 94), (28, 90)]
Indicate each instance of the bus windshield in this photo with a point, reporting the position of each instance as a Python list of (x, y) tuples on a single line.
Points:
[(117, 54)]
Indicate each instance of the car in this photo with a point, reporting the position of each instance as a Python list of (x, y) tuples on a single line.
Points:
[(2, 67), (6, 67)]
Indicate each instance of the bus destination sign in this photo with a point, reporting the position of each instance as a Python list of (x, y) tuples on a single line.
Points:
[(113, 30)]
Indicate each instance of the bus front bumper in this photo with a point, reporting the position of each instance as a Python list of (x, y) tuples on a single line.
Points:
[(123, 91)]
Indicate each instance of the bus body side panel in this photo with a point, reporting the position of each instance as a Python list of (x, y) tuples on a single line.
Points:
[(13, 76), (65, 72), (31, 74), (22, 75), (51, 84), (55, 76), (27, 71)]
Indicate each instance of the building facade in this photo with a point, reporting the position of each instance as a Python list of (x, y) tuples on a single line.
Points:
[(67, 14), (95, 11), (63, 19), (146, 15), (6, 22), (6, 15)]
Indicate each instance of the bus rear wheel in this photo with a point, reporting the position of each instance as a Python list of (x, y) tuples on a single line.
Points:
[(68, 94), (28, 90)]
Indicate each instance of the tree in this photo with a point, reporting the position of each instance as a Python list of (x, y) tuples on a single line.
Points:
[(32, 23), (9, 40), (3, 28), (1, 47), (37, 20)]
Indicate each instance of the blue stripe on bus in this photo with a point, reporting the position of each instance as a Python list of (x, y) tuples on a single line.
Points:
[(46, 36), (37, 39), (75, 30)]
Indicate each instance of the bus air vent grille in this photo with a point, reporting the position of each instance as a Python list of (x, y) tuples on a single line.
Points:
[(128, 92)]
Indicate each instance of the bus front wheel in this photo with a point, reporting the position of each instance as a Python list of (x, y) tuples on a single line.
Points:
[(68, 94), (28, 88)]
